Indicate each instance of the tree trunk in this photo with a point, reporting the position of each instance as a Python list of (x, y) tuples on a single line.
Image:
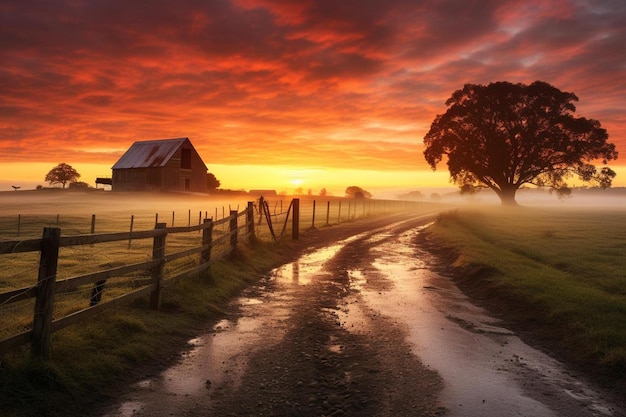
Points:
[(507, 196)]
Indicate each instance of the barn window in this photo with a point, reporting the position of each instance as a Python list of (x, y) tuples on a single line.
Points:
[(185, 158)]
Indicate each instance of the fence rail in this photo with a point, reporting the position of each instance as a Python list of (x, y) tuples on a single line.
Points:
[(217, 239), (44, 292)]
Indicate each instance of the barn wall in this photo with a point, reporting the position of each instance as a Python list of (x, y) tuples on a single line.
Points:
[(137, 179), (199, 173), (170, 177), (129, 179), (176, 178)]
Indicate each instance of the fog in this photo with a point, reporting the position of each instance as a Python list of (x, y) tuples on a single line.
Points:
[(52, 202), (580, 197), (82, 203)]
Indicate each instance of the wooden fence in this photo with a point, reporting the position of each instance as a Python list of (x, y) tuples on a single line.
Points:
[(44, 291), (209, 249)]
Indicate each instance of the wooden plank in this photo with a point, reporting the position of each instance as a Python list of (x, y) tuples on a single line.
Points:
[(88, 312), (20, 294), (225, 220), (16, 246), (184, 229), (14, 341), (106, 274), (33, 245), (78, 240), (26, 293), (173, 256)]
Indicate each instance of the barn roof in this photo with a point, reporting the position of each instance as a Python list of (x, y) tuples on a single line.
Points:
[(150, 153)]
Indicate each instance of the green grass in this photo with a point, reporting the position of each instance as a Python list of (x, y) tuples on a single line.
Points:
[(564, 270), (89, 358)]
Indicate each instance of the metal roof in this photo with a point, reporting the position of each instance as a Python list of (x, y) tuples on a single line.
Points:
[(150, 153)]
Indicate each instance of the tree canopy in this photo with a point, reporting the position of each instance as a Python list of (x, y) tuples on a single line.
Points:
[(212, 182), (357, 192), (503, 136), (62, 174)]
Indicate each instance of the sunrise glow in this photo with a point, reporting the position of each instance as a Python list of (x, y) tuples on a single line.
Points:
[(275, 95)]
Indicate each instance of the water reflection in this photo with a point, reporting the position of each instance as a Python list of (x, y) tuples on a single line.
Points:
[(218, 359)]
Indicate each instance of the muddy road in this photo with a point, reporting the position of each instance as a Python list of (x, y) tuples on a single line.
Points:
[(362, 327)]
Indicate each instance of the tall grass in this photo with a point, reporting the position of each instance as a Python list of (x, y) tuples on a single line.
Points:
[(564, 269)]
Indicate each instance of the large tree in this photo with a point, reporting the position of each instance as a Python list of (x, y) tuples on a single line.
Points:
[(503, 136), (62, 174)]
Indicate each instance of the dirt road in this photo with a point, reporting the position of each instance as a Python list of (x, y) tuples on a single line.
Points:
[(361, 327)]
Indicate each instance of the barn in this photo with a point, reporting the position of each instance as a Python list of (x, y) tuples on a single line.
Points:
[(160, 165)]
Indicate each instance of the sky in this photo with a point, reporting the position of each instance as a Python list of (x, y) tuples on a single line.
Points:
[(285, 94)]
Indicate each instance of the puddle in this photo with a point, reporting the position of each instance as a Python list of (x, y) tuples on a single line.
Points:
[(217, 360), (301, 271), (477, 359)]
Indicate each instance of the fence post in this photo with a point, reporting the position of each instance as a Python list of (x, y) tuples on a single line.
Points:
[(313, 221), (328, 213), (44, 301), (158, 253), (339, 213), (232, 228), (261, 208), (93, 224), (207, 238), (19, 225), (130, 236), (295, 220), (250, 221), (96, 292)]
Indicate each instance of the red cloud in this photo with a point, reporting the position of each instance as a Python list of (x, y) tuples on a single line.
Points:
[(344, 84)]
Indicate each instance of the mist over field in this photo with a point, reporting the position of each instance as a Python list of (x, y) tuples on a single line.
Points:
[(52, 202), (80, 203)]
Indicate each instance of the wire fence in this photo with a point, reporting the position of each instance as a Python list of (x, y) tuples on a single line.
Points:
[(106, 260)]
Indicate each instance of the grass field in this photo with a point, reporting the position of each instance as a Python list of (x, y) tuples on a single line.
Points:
[(97, 354), (561, 269), (23, 215)]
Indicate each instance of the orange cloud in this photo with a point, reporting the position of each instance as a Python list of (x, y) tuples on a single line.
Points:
[(348, 85)]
